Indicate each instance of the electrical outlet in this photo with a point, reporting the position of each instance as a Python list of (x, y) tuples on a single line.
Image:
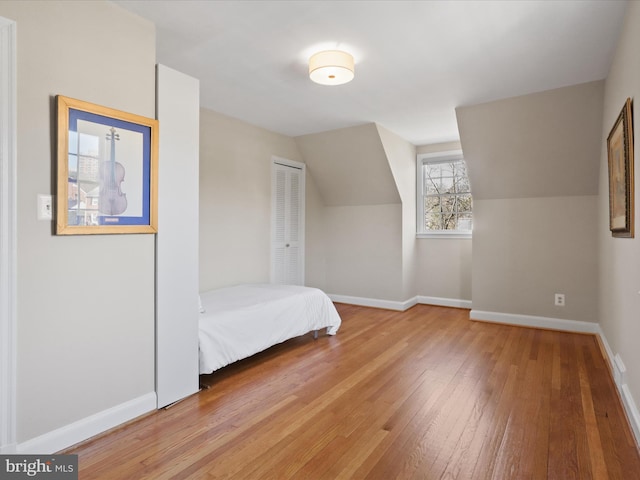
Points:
[(559, 300)]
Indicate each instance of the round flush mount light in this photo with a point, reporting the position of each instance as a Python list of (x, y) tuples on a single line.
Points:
[(331, 67)]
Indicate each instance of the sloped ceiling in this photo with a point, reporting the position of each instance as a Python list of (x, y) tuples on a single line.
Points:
[(544, 144), (349, 166)]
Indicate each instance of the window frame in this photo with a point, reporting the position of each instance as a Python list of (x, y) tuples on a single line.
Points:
[(439, 157)]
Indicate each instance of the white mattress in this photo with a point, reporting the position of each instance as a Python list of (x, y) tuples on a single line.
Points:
[(243, 320)]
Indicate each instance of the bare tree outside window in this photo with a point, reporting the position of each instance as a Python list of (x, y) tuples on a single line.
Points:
[(447, 196)]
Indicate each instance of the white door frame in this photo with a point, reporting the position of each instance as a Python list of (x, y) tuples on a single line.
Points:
[(8, 240)]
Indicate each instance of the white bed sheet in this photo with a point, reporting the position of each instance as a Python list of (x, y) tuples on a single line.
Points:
[(240, 321)]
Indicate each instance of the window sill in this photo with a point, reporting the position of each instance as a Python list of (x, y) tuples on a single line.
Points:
[(459, 235)]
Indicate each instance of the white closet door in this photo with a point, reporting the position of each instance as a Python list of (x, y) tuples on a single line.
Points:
[(287, 241)]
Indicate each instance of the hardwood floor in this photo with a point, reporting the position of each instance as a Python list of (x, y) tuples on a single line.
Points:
[(424, 394)]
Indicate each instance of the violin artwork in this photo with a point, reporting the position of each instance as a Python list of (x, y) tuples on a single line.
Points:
[(112, 201)]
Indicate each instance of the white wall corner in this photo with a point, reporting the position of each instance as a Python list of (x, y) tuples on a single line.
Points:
[(76, 432), (8, 239)]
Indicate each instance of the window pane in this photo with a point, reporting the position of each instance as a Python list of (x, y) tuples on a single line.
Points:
[(431, 186), (446, 169), (432, 221), (460, 169), (431, 204), (446, 185), (462, 185), (464, 222), (447, 202), (449, 221), (431, 170), (464, 203)]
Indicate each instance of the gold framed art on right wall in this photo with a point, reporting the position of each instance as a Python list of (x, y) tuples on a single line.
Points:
[(620, 159)]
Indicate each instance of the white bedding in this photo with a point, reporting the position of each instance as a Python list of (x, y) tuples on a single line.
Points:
[(240, 321)]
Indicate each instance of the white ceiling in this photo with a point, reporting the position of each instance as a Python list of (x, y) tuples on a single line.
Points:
[(416, 61)]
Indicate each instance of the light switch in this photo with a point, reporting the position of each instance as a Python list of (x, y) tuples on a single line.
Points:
[(45, 207)]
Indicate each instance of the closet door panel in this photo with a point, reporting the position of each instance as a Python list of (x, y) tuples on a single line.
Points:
[(287, 245)]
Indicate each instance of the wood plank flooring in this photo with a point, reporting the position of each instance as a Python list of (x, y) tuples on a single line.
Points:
[(421, 394)]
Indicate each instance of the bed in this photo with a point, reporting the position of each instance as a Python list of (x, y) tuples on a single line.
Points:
[(237, 322)]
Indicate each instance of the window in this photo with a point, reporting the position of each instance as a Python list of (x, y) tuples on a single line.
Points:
[(444, 196)]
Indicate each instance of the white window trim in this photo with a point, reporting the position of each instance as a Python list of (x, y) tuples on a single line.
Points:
[(435, 158), (444, 234)]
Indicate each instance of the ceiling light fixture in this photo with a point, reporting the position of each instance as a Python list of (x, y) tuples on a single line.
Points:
[(331, 67)]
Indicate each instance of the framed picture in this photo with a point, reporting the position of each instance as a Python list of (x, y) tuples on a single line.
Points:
[(107, 170), (620, 155)]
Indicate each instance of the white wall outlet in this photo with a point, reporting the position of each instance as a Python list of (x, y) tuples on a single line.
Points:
[(559, 300), (45, 207)]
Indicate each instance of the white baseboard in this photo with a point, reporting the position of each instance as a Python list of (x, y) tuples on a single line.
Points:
[(444, 302), (631, 409), (620, 378), (374, 302), (619, 370), (609, 353), (535, 322), (401, 306), (86, 428)]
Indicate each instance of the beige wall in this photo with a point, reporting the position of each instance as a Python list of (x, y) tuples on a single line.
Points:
[(534, 201), (444, 268), (620, 257), (235, 200), (544, 144), (349, 166), (85, 303), (364, 251), (362, 245), (532, 248)]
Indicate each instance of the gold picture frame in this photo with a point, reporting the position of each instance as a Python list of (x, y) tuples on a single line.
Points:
[(107, 162), (621, 188)]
